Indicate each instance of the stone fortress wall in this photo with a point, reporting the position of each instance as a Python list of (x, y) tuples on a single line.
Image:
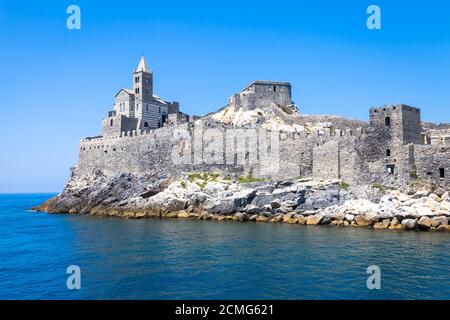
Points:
[(391, 149), (372, 155), (300, 153)]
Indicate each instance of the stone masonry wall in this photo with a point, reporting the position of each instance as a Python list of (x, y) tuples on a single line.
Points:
[(153, 152), (262, 94), (431, 160), (357, 156)]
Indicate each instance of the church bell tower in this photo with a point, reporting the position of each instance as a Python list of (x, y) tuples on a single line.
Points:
[(142, 82)]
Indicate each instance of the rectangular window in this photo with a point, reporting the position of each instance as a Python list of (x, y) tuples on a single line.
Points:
[(388, 152), (390, 168), (442, 172), (136, 90), (387, 121)]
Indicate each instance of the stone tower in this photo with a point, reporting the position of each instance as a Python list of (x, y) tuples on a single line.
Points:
[(397, 129), (261, 94), (143, 92), (401, 122)]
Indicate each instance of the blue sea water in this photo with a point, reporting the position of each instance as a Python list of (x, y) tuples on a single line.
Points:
[(184, 259)]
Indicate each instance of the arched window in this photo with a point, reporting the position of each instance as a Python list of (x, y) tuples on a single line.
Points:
[(111, 123), (145, 124)]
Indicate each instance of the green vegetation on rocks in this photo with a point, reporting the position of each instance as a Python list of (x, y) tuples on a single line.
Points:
[(344, 185), (249, 179), (382, 188)]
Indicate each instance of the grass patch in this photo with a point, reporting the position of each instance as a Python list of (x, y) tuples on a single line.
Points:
[(413, 174), (344, 185), (211, 176), (205, 177), (250, 179), (382, 188), (183, 184), (195, 176), (202, 184)]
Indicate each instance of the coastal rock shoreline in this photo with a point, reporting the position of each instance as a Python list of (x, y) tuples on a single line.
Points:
[(207, 196)]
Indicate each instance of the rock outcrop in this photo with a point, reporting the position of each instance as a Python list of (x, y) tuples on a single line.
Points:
[(212, 197)]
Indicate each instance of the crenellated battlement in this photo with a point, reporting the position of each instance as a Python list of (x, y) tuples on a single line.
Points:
[(321, 133), (328, 133)]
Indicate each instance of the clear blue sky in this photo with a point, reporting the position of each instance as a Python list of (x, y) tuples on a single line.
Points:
[(57, 84)]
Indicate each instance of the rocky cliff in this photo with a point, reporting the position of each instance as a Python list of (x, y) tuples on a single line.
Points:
[(207, 196)]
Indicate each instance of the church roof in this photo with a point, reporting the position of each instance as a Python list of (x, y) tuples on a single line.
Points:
[(129, 91), (142, 65)]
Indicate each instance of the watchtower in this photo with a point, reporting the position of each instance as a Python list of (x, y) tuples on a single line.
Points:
[(400, 121)]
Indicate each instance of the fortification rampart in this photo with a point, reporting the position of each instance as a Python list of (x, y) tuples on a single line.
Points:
[(187, 148), (386, 152)]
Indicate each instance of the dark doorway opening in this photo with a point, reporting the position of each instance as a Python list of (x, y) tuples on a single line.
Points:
[(390, 168), (387, 121)]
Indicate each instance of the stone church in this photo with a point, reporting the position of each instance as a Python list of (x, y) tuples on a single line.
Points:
[(139, 108)]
